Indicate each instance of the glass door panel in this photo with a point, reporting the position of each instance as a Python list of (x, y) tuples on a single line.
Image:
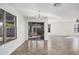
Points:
[(1, 27), (10, 27)]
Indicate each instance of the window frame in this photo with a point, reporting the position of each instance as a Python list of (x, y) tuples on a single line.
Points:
[(76, 28)]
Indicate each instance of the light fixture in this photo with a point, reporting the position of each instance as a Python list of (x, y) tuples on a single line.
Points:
[(57, 4), (40, 17), (77, 20)]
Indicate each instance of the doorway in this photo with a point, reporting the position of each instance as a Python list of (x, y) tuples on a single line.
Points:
[(35, 31)]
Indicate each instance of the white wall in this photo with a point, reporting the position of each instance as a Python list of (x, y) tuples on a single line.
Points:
[(62, 27), (8, 48)]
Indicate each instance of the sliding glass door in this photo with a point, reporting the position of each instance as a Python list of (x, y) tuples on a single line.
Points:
[(7, 27), (1, 26), (10, 27)]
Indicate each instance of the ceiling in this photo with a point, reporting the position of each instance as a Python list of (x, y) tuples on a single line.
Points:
[(65, 10)]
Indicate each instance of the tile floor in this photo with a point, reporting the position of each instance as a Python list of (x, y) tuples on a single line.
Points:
[(54, 46)]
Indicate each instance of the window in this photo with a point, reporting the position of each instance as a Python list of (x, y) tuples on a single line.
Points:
[(7, 27), (76, 28), (49, 27)]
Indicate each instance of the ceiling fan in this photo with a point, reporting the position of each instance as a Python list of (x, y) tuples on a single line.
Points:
[(57, 4)]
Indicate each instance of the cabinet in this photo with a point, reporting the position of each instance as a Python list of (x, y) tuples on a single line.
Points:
[(7, 27)]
